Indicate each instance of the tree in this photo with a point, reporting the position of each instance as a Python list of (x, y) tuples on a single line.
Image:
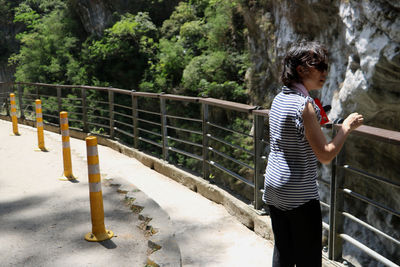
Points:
[(122, 55), (48, 49)]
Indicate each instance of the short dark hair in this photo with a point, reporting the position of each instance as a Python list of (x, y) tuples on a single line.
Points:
[(307, 54)]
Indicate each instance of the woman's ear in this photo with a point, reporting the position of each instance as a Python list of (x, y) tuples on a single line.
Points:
[(300, 70)]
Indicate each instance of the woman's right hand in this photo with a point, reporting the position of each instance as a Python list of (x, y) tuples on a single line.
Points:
[(353, 121)]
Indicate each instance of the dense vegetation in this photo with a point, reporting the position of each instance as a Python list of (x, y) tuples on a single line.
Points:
[(199, 50)]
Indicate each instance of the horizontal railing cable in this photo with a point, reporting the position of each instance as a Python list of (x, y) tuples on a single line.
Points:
[(371, 176), (325, 226), (124, 132), (367, 250), (122, 106), (148, 112), (370, 227), (233, 174), (370, 201), (123, 115), (228, 129), (230, 144), (149, 132), (149, 141), (49, 115), (194, 156), (184, 130), (125, 124), (230, 158), (150, 122), (183, 118), (184, 141), (324, 204)]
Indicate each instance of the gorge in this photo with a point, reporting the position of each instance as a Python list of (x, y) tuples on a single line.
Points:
[(363, 38)]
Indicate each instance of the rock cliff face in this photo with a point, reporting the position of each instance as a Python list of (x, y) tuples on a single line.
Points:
[(96, 15), (362, 37)]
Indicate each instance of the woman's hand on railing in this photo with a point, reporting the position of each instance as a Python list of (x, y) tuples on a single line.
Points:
[(352, 122)]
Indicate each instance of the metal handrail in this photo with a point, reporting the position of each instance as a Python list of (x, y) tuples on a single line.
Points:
[(260, 116)]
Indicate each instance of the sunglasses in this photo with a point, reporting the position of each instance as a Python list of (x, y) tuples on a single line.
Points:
[(321, 66)]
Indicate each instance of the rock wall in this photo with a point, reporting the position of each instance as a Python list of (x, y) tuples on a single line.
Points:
[(96, 15), (362, 37)]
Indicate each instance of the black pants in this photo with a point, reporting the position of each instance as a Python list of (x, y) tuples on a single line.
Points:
[(298, 235)]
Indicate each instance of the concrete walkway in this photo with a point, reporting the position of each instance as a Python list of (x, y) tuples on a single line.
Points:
[(43, 220)]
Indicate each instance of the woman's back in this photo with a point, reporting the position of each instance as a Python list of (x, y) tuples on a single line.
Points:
[(292, 165)]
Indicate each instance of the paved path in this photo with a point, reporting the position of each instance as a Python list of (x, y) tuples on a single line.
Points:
[(43, 219)]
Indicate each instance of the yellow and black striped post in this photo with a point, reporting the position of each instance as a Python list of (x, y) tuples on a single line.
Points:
[(39, 125), (66, 148), (13, 113), (99, 232)]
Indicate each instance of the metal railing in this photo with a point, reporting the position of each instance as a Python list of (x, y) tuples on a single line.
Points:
[(193, 137)]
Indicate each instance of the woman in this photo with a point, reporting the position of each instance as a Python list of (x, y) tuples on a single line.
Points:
[(297, 142)]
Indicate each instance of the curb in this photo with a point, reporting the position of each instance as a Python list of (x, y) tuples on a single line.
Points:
[(163, 250)]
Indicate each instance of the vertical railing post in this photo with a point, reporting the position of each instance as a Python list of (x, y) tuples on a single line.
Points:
[(258, 126), (336, 205), (164, 130), (135, 120), (1, 94), (111, 112), (7, 93), (206, 166), (59, 101), (84, 111), (37, 92), (21, 106)]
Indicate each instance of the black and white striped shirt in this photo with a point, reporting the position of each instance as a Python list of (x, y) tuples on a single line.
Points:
[(290, 176)]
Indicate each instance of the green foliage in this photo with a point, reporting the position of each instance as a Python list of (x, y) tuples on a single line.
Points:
[(121, 56), (46, 53), (214, 75), (184, 12)]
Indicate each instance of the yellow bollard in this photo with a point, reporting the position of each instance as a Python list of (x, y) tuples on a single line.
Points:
[(39, 125), (66, 146), (99, 232), (13, 112)]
